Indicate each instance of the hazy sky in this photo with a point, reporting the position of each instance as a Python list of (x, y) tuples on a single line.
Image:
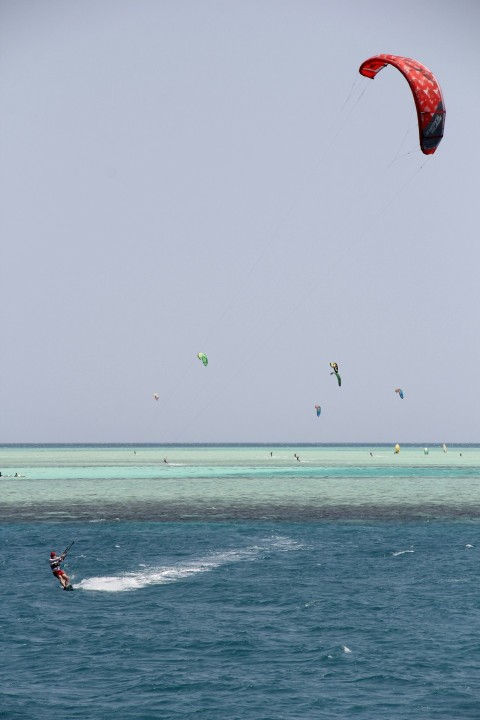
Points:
[(191, 176)]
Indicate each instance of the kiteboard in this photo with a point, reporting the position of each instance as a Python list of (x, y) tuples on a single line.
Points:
[(68, 587)]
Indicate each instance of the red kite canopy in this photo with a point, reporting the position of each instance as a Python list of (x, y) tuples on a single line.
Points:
[(426, 93)]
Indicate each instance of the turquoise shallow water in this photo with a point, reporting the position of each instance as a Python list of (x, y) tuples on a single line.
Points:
[(233, 584), (237, 482)]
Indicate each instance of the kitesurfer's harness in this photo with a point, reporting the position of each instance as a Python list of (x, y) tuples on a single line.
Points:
[(56, 561)]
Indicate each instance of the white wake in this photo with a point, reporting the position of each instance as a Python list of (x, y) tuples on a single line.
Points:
[(169, 574)]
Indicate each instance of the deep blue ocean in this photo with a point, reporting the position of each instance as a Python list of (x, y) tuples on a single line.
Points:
[(248, 618)]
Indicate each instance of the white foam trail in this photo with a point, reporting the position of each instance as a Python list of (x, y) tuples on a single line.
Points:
[(346, 649), (138, 580), (402, 552), (162, 575), (282, 542)]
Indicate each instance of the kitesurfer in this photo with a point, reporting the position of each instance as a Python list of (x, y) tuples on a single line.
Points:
[(55, 563)]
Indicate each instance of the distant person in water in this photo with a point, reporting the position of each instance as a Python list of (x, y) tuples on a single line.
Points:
[(165, 460), (55, 565)]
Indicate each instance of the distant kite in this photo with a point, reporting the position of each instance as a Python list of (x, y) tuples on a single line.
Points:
[(399, 391), (426, 93), (203, 358), (334, 367), (156, 396), (319, 410)]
